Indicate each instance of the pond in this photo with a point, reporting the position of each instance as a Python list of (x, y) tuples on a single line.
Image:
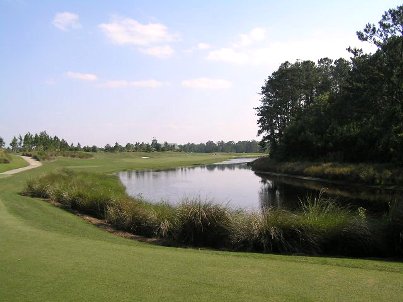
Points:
[(234, 184)]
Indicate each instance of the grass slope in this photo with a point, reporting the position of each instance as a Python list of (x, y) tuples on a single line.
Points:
[(47, 254), (16, 162)]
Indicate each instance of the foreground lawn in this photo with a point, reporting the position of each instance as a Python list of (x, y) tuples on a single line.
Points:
[(47, 254), (16, 162)]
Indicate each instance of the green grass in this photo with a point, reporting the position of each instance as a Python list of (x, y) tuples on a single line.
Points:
[(48, 254), (15, 163)]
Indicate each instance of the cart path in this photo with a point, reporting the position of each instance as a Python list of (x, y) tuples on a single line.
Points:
[(33, 163)]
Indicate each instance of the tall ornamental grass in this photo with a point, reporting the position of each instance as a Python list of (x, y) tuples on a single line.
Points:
[(321, 226)]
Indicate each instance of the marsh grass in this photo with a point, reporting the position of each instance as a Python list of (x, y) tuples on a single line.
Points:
[(87, 192), (320, 227), (203, 223), (49, 155), (5, 158), (372, 174)]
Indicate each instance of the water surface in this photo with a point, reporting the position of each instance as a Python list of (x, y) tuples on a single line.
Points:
[(234, 184)]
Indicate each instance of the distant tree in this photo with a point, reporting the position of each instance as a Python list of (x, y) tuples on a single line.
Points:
[(117, 147), (14, 144), (2, 143), (108, 148), (155, 145), (28, 142), (129, 147)]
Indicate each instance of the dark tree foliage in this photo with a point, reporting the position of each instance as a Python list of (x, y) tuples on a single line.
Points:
[(341, 110), (41, 142), (221, 146), (293, 88)]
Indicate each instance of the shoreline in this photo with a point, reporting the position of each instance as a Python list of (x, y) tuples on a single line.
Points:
[(369, 175)]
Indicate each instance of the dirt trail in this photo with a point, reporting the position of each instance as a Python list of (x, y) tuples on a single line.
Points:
[(33, 163)]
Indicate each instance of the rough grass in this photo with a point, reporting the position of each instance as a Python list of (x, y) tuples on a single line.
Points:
[(49, 155), (371, 174), (321, 227), (5, 158), (10, 161), (50, 254)]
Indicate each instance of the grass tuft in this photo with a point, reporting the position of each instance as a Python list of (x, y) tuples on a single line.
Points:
[(203, 223)]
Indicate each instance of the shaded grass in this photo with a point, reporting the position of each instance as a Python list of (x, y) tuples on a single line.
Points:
[(321, 227), (371, 174)]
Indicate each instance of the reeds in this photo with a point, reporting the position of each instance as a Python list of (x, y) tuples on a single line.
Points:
[(320, 227)]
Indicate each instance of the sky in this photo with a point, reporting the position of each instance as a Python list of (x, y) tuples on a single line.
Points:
[(99, 72)]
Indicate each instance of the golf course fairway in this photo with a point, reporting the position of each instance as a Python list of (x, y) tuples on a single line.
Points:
[(49, 254)]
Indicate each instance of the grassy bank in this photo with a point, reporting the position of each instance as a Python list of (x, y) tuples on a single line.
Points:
[(49, 254), (10, 161), (5, 158), (369, 174), (321, 227)]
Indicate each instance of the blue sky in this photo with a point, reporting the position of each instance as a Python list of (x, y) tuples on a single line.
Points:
[(97, 72)]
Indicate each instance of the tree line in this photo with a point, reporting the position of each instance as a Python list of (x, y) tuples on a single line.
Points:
[(344, 110), (45, 142)]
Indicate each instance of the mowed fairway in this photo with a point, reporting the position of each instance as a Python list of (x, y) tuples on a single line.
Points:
[(48, 254)]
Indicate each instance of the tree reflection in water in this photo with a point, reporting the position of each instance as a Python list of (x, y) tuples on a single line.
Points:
[(242, 188)]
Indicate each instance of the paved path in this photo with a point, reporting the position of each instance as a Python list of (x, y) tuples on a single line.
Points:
[(33, 163)]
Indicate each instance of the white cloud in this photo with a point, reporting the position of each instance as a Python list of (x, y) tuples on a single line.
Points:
[(256, 35), (240, 52), (126, 31), (82, 76), (66, 21), (207, 83), (158, 51), (134, 84), (203, 46), (228, 55), (272, 53)]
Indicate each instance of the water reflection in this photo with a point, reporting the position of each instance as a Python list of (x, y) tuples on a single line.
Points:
[(237, 186)]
